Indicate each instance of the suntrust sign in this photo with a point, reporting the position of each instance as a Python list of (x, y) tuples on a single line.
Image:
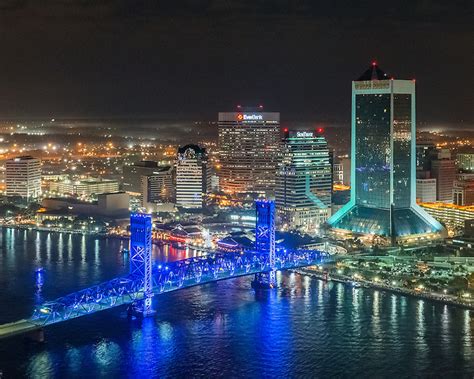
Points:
[(304, 134), (249, 117)]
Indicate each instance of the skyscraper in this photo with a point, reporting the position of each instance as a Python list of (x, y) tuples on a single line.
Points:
[(304, 183), (191, 176), (157, 187), (23, 177), (443, 169), (248, 145), (383, 193), (132, 174)]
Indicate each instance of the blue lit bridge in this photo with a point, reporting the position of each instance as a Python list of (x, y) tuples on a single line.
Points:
[(166, 278), (148, 279)]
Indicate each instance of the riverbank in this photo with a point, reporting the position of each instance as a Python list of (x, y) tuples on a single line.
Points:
[(439, 298), (60, 230)]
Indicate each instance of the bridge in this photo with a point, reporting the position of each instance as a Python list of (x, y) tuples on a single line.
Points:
[(147, 279)]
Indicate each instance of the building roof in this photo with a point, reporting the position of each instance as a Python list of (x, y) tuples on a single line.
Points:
[(373, 73), (197, 149)]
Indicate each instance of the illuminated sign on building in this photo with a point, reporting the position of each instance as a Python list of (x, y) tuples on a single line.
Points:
[(304, 134), (249, 117)]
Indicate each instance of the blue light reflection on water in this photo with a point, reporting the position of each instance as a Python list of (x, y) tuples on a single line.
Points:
[(305, 328)]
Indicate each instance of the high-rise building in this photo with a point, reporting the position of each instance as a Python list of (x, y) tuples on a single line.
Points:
[(383, 188), (465, 162), (426, 190), (248, 146), (304, 182), (132, 174), (444, 171), (424, 151), (338, 173), (346, 171), (23, 177), (158, 187), (191, 176)]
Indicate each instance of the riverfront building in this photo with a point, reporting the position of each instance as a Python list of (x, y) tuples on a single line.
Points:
[(304, 182), (23, 177), (383, 188), (83, 187), (191, 176), (248, 145)]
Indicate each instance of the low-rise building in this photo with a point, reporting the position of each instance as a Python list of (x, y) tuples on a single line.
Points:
[(83, 187), (450, 214)]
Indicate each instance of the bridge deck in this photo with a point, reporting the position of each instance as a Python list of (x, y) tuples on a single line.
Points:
[(17, 327), (166, 277)]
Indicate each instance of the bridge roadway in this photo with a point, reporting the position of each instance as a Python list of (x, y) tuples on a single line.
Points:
[(167, 277)]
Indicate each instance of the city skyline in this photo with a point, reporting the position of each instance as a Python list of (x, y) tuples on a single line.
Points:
[(217, 188)]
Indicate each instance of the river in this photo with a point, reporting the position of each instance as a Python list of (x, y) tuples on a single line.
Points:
[(305, 328)]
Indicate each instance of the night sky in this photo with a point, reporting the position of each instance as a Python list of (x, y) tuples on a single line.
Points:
[(191, 59)]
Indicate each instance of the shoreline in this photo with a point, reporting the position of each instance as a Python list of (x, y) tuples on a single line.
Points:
[(397, 290), (57, 230)]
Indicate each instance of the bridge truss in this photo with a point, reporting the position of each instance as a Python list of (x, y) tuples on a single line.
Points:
[(169, 277)]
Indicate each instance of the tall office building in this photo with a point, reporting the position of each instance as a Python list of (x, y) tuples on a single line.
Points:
[(443, 169), (157, 188), (383, 193), (23, 177), (132, 174), (304, 182), (191, 176), (248, 145)]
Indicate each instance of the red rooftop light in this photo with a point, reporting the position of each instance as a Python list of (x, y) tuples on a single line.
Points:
[(374, 63), (285, 130), (320, 130)]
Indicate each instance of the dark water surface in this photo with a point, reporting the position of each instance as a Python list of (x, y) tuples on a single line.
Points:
[(305, 328)]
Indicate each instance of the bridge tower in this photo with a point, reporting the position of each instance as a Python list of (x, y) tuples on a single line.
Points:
[(140, 255), (265, 241)]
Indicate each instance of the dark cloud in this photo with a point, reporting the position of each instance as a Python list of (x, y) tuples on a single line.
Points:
[(192, 58)]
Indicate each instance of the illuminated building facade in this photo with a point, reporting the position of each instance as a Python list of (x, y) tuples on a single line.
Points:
[(465, 162), (383, 188), (23, 177), (158, 187), (132, 174), (191, 176), (443, 169), (450, 214), (84, 187), (248, 144), (304, 181)]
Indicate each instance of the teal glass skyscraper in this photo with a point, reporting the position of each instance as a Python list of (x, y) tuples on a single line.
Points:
[(383, 168)]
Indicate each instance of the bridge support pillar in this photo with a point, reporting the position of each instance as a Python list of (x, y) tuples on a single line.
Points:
[(36, 335), (140, 258), (265, 242)]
